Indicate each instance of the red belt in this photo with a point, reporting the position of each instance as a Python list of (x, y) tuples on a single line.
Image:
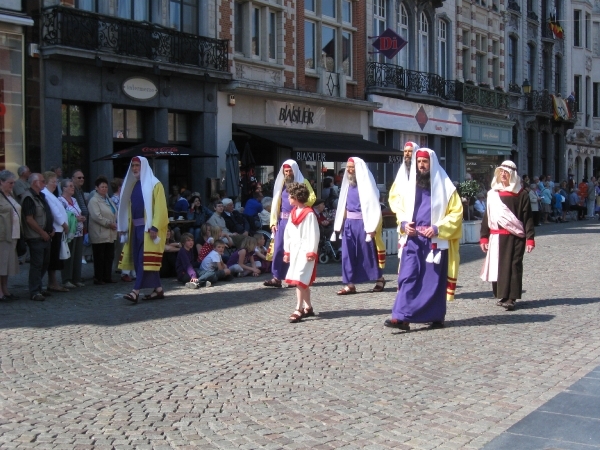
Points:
[(499, 232)]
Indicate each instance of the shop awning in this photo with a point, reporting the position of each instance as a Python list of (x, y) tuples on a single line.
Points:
[(322, 146), (491, 150)]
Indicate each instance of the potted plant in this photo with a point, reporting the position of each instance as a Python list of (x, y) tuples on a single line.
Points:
[(468, 191), (499, 88), (484, 85)]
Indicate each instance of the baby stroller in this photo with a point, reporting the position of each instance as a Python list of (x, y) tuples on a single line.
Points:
[(326, 251)]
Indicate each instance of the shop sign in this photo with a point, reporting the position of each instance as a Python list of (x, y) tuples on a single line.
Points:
[(343, 157), (139, 88), (396, 114), (294, 115), (389, 43)]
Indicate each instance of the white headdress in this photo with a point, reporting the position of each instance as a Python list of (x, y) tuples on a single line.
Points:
[(514, 185), (278, 186), (402, 175), (369, 198), (148, 181), (442, 189)]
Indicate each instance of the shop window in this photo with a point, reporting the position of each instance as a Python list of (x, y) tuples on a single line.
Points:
[(11, 97), (183, 15), (74, 139), (444, 151), (127, 124), (328, 37), (402, 21), (134, 9), (179, 126)]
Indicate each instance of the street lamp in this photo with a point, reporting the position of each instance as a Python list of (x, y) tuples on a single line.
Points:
[(526, 87)]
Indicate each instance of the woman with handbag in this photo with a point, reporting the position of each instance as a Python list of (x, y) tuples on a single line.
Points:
[(71, 273), (102, 231), (60, 228), (10, 232)]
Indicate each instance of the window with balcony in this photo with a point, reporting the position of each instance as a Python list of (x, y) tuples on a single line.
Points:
[(179, 126), (379, 23), (402, 21), (423, 43), (531, 51), (496, 63), (272, 44), (255, 33), (512, 59), (442, 48), (134, 9), (596, 100), (328, 36), (481, 58), (558, 63), (238, 17), (577, 89), (466, 55), (547, 68), (183, 15), (87, 5), (577, 28)]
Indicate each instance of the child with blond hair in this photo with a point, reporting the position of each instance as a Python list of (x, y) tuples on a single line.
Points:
[(242, 260)]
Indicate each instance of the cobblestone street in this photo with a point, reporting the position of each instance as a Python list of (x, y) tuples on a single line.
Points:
[(222, 368)]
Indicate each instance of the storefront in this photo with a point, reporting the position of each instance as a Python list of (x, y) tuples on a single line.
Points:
[(94, 110), (428, 125), (12, 113), (486, 143), (320, 135)]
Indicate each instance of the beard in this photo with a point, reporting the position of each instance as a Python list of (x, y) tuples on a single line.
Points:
[(288, 181), (351, 179), (424, 179)]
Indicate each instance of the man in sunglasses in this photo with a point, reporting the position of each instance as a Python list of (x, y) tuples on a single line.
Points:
[(78, 180)]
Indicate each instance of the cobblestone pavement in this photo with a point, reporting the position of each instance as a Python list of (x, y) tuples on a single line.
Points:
[(222, 368)]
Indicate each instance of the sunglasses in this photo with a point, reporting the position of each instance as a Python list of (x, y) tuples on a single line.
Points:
[(80, 178)]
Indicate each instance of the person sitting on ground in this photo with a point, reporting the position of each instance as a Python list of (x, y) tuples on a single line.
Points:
[(214, 262), (242, 260), (260, 253), (218, 220), (235, 221), (214, 233), (169, 258), (188, 268), (265, 214)]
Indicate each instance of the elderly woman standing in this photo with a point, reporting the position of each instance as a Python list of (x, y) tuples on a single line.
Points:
[(102, 229), (71, 273), (61, 225), (10, 231)]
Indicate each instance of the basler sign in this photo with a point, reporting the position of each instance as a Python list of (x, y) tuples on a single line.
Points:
[(295, 115)]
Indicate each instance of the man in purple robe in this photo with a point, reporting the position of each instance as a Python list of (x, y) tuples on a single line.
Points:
[(363, 250), (280, 212), (430, 218)]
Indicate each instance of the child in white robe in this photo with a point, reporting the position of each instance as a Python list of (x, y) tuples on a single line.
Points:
[(300, 244)]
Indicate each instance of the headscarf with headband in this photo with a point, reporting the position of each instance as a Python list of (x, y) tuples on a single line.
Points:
[(401, 180), (368, 195), (278, 186), (514, 185), (148, 181), (442, 189)]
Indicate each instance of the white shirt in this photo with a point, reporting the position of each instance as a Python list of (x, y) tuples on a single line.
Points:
[(211, 262)]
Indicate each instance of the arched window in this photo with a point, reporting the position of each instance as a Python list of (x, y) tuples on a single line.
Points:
[(402, 21), (442, 48), (423, 43)]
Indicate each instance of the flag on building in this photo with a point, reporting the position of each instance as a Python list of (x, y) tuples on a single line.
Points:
[(557, 30)]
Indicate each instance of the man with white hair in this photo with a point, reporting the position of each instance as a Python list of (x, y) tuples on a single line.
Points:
[(398, 187), (280, 212), (22, 184), (363, 250), (430, 216), (507, 231), (143, 219)]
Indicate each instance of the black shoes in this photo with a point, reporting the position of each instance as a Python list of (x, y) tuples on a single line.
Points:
[(394, 323)]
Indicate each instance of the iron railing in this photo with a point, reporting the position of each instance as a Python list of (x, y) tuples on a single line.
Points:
[(487, 98), (75, 28), (539, 102), (547, 32), (514, 88)]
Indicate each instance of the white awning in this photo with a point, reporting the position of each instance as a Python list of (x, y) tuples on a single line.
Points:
[(17, 20)]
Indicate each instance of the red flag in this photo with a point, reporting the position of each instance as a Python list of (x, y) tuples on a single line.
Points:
[(557, 30)]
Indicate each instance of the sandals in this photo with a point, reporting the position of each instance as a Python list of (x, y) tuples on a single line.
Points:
[(272, 283), (296, 316), (308, 312), (346, 290), (155, 295), (395, 323), (379, 286), (132, 297), (501, 302)]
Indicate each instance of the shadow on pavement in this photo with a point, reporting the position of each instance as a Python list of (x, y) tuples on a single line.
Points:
[(328, 315), (534, 304)]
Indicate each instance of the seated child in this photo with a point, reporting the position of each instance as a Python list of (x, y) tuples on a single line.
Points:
[(186, 265), (260, 253), (242, 260), (169, 258), (214, 262), (211, 233)]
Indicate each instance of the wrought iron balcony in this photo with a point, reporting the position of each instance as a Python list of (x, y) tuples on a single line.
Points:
[(547, 32), (514, 88), (532, 15), (396, 77), (75, 28), (487, 98), (539, 102), (513, 5), (572, 105)]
